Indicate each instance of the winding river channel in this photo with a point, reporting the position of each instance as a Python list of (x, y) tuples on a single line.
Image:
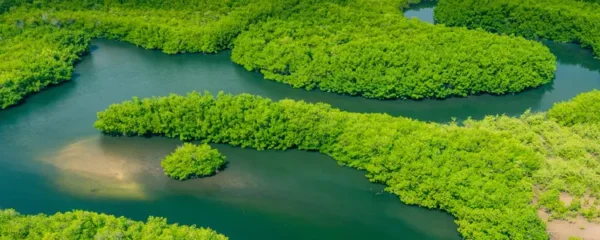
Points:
[(52, 159)]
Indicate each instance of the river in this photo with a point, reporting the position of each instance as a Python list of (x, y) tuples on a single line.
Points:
[(54, 160)]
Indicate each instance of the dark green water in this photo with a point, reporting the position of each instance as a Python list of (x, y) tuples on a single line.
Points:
[(52, 159), (422, 11)]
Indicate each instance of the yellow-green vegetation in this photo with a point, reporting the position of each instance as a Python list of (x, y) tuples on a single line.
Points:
[(90, 225), (482, 172), (339, 46), (583, 109), (189, 161), (31, 59), (560, 20), (361, 47), (172, 26), (571, 167)]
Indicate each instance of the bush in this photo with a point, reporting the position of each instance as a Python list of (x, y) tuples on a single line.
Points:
[(32, 59), (585, 108), (190, 161), (559, 20), (89, 225)]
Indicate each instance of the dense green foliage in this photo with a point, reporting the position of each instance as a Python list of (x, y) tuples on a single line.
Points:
[(572, 166), (378, 53), (172, 26), (482, 177), (31, 59), (190, 161), (90, 225), (560, 20), (583, 109), (6, 5)]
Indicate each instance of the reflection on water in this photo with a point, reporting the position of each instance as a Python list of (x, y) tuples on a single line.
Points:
[(422, 11)]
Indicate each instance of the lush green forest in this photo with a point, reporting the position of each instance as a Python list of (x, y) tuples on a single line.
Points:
[(327, 44), (189, 161), (31, 59), (89, 225), (172, 26), (563, 21), (482, 172), (378, 53), (583, 109)]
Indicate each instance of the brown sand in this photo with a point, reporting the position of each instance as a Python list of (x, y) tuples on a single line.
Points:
[(563, 229), (90, 170)]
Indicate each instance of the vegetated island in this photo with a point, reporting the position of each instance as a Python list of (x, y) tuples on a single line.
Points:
[(482, 172), (357, 47), (371, 49), (559, 20), (90, 225), (191, 161)]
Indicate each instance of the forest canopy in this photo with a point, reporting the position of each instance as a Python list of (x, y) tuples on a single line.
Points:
[(189, 161), (583, 109), (32, 59), (560, 20), (89, 225), (338, 47)]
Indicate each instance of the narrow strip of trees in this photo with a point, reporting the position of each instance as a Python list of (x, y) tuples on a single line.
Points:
[(89, 225)]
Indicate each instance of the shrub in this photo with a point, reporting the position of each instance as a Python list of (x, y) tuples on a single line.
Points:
[(35, 58), (190, 161), (585, 108)]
